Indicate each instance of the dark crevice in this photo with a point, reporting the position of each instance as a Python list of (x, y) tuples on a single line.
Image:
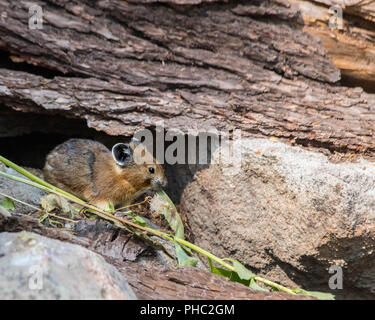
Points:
[(115, 235), (7, 63), (355, 20), (27, 138), (178, 281), (352, 82), (303, 279), (33, 136), (325, 145)]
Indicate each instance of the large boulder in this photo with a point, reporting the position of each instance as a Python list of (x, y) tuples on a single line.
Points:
[(36, 267), (289, 214)]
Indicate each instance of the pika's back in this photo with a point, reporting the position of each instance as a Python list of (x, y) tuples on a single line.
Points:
[(71, 164)]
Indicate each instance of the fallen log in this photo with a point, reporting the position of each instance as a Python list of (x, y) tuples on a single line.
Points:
[(130, 65)]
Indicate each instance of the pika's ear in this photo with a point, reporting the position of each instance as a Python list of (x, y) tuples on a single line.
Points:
[(122, 154)]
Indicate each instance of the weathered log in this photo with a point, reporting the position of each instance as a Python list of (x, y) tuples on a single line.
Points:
[(225, 65), (187, 283), (351, 45)]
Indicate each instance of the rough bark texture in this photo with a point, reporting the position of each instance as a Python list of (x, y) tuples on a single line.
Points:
[(129, 65), (352, 46), (187, 283)]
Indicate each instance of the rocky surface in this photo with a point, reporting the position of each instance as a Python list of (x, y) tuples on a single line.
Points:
[(36, 267), (72, 272), (20, 191), (289, 214)]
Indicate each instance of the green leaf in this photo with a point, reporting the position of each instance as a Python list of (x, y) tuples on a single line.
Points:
[(43, 217), (139, 220), (56, 223), (236, 278), (162, 204), (233, 276), (65, 206), (7, 203), (316, 294), (220, 271), (253, 285), (111, 207), (52, 201), (136, 219), (242, 272), (183, 258)]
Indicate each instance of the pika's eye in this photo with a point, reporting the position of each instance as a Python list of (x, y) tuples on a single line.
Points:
[(151, 169)]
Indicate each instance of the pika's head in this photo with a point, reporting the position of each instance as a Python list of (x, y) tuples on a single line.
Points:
[(138, 166)]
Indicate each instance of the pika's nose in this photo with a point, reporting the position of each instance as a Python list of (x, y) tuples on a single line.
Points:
[(159, 183)]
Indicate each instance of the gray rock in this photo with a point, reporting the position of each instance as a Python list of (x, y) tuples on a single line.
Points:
[(36, 267), (290, 214), (4, 212), (20, 191)]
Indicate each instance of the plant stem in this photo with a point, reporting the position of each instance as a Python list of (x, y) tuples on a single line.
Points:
[(204, 252), (228, 266), (63, 218), (275, 285), (132, 205), (72, 198), (24, 203), (34, 177)]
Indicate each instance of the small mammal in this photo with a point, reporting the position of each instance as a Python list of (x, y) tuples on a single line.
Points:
[(87, 169)]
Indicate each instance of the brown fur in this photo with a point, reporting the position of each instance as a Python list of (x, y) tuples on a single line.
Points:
[(87, 169)]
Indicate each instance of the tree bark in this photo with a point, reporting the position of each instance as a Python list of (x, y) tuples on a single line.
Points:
[(192, 64), (351, 45)]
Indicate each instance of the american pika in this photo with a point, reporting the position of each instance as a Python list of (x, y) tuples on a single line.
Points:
[(88, 170)]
